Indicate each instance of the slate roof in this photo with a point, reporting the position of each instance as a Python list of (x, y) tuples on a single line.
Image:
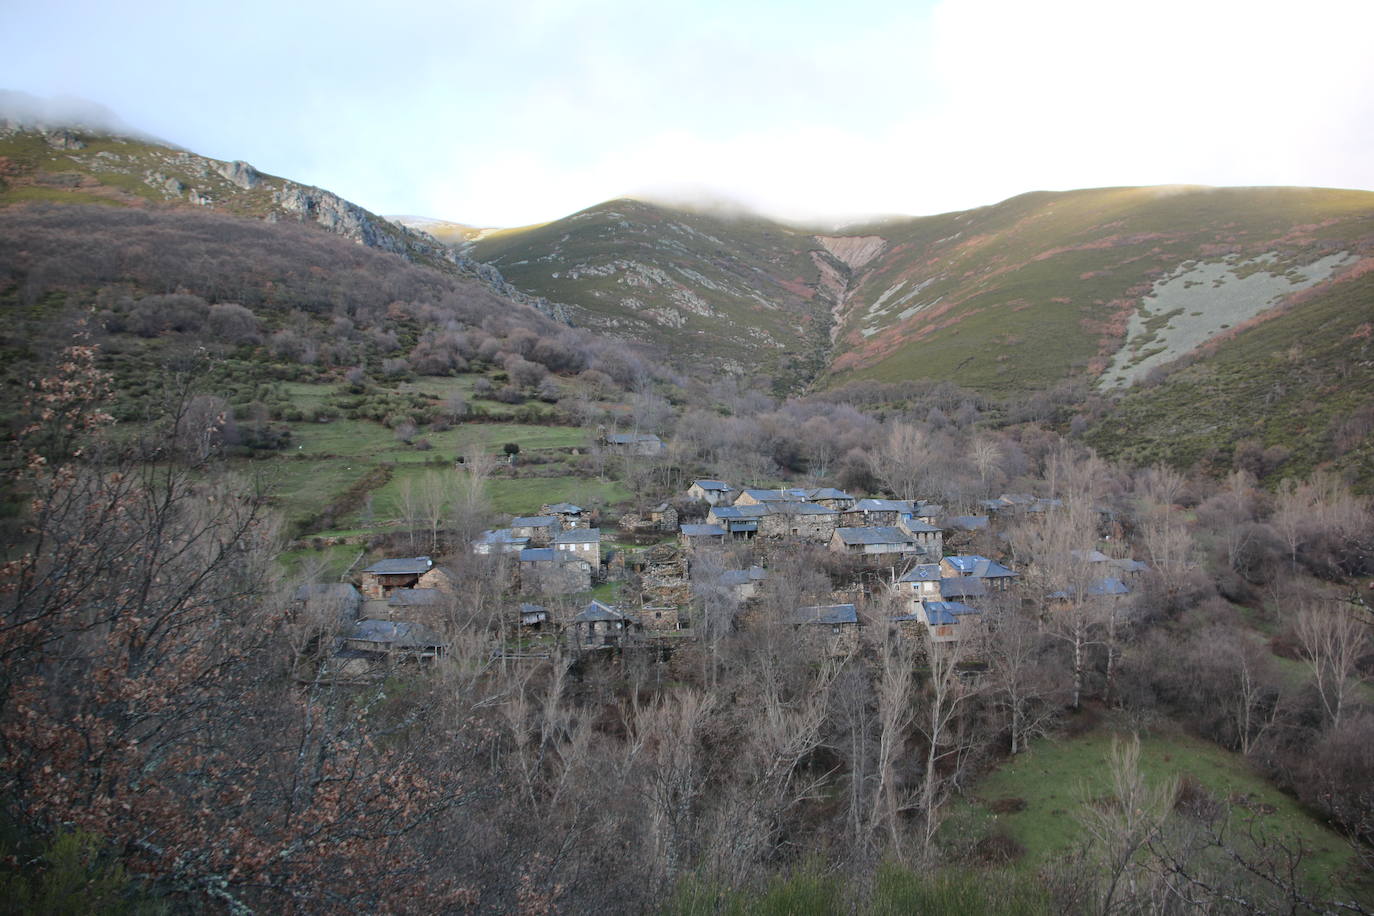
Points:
[(968, 522), (1100, 588), (1130, 566), (945, 613), (881, 505), (502, 536), (750, 511), (539, 555), (565, 509), (827, 493), (534, 521), (578, 536), (776, 495), (922, 572), (703, 531), (873, 535), (981, 567), (400, 566), (415, 597), (797, 508), (826, 615), (963, 587), (597, 611), (720, 485), (927, 510), (631, 438), (342, 592), (743, 576), (1090, 556), (401, 633), (916, 526)]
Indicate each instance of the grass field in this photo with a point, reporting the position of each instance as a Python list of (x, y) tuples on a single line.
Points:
[(1055, 776)]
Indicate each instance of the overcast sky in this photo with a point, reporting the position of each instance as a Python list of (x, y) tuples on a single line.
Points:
[(508, 112)]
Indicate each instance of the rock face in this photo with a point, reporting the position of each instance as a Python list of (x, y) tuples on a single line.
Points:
[(240, 173)]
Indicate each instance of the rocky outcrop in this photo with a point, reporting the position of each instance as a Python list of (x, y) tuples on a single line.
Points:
[(854, 250), (240, 173)]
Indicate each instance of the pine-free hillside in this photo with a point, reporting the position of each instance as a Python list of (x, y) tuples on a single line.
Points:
[(77, 165), (1102, 285), (743, 295)]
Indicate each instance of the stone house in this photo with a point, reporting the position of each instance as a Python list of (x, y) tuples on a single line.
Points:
[(998, 576), (757, 497), (500, 540), (533, 616), (738, 521), (744, 583), (807, 521), (1109, 589), (930, 539), (599, 625), (582, 542), (872, 541), (711, 492), (371, 649), (930, 513), (943, 618), (833, 629), (646, 444), (440, 578), (831, 498), (382, 577), (568, 515), (694, 536), (875, 512), (546, 571), (920, 583), (540, 529)]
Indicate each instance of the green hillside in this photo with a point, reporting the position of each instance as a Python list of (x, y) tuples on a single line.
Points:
[(739, 294), (1021, 295)]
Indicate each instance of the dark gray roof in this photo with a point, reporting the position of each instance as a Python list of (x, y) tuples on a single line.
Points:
[(534, 521), (882, 505), (944, 613), (631, 438), (968, 522), (963, 587), (703, 531), (415, 597), (713, 485), (1090, 556), (873, 535), (400, 566), (1130, 565), (981, 567), (539, 555), (1102, 587), (791, 494), (502, 536), (401, 633), (565, 509), (597, 611), (797, 508), (578, 536), (827, 493), (750, 511), (826, 614), (922, 572), (916, 526), (743, 576)]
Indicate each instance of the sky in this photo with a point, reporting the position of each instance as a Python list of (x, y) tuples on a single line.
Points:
[(511, 112)]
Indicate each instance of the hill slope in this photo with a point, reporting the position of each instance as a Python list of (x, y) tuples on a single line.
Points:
[(72, 165), (1104, 283), (740, 294)]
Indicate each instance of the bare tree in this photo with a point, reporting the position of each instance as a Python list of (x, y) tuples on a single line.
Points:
[(903, 459), (1333, 640), (1021, 678), (946, 696), (1120, 827)]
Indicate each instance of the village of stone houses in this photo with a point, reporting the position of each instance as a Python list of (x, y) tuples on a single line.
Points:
[(835, 570)]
